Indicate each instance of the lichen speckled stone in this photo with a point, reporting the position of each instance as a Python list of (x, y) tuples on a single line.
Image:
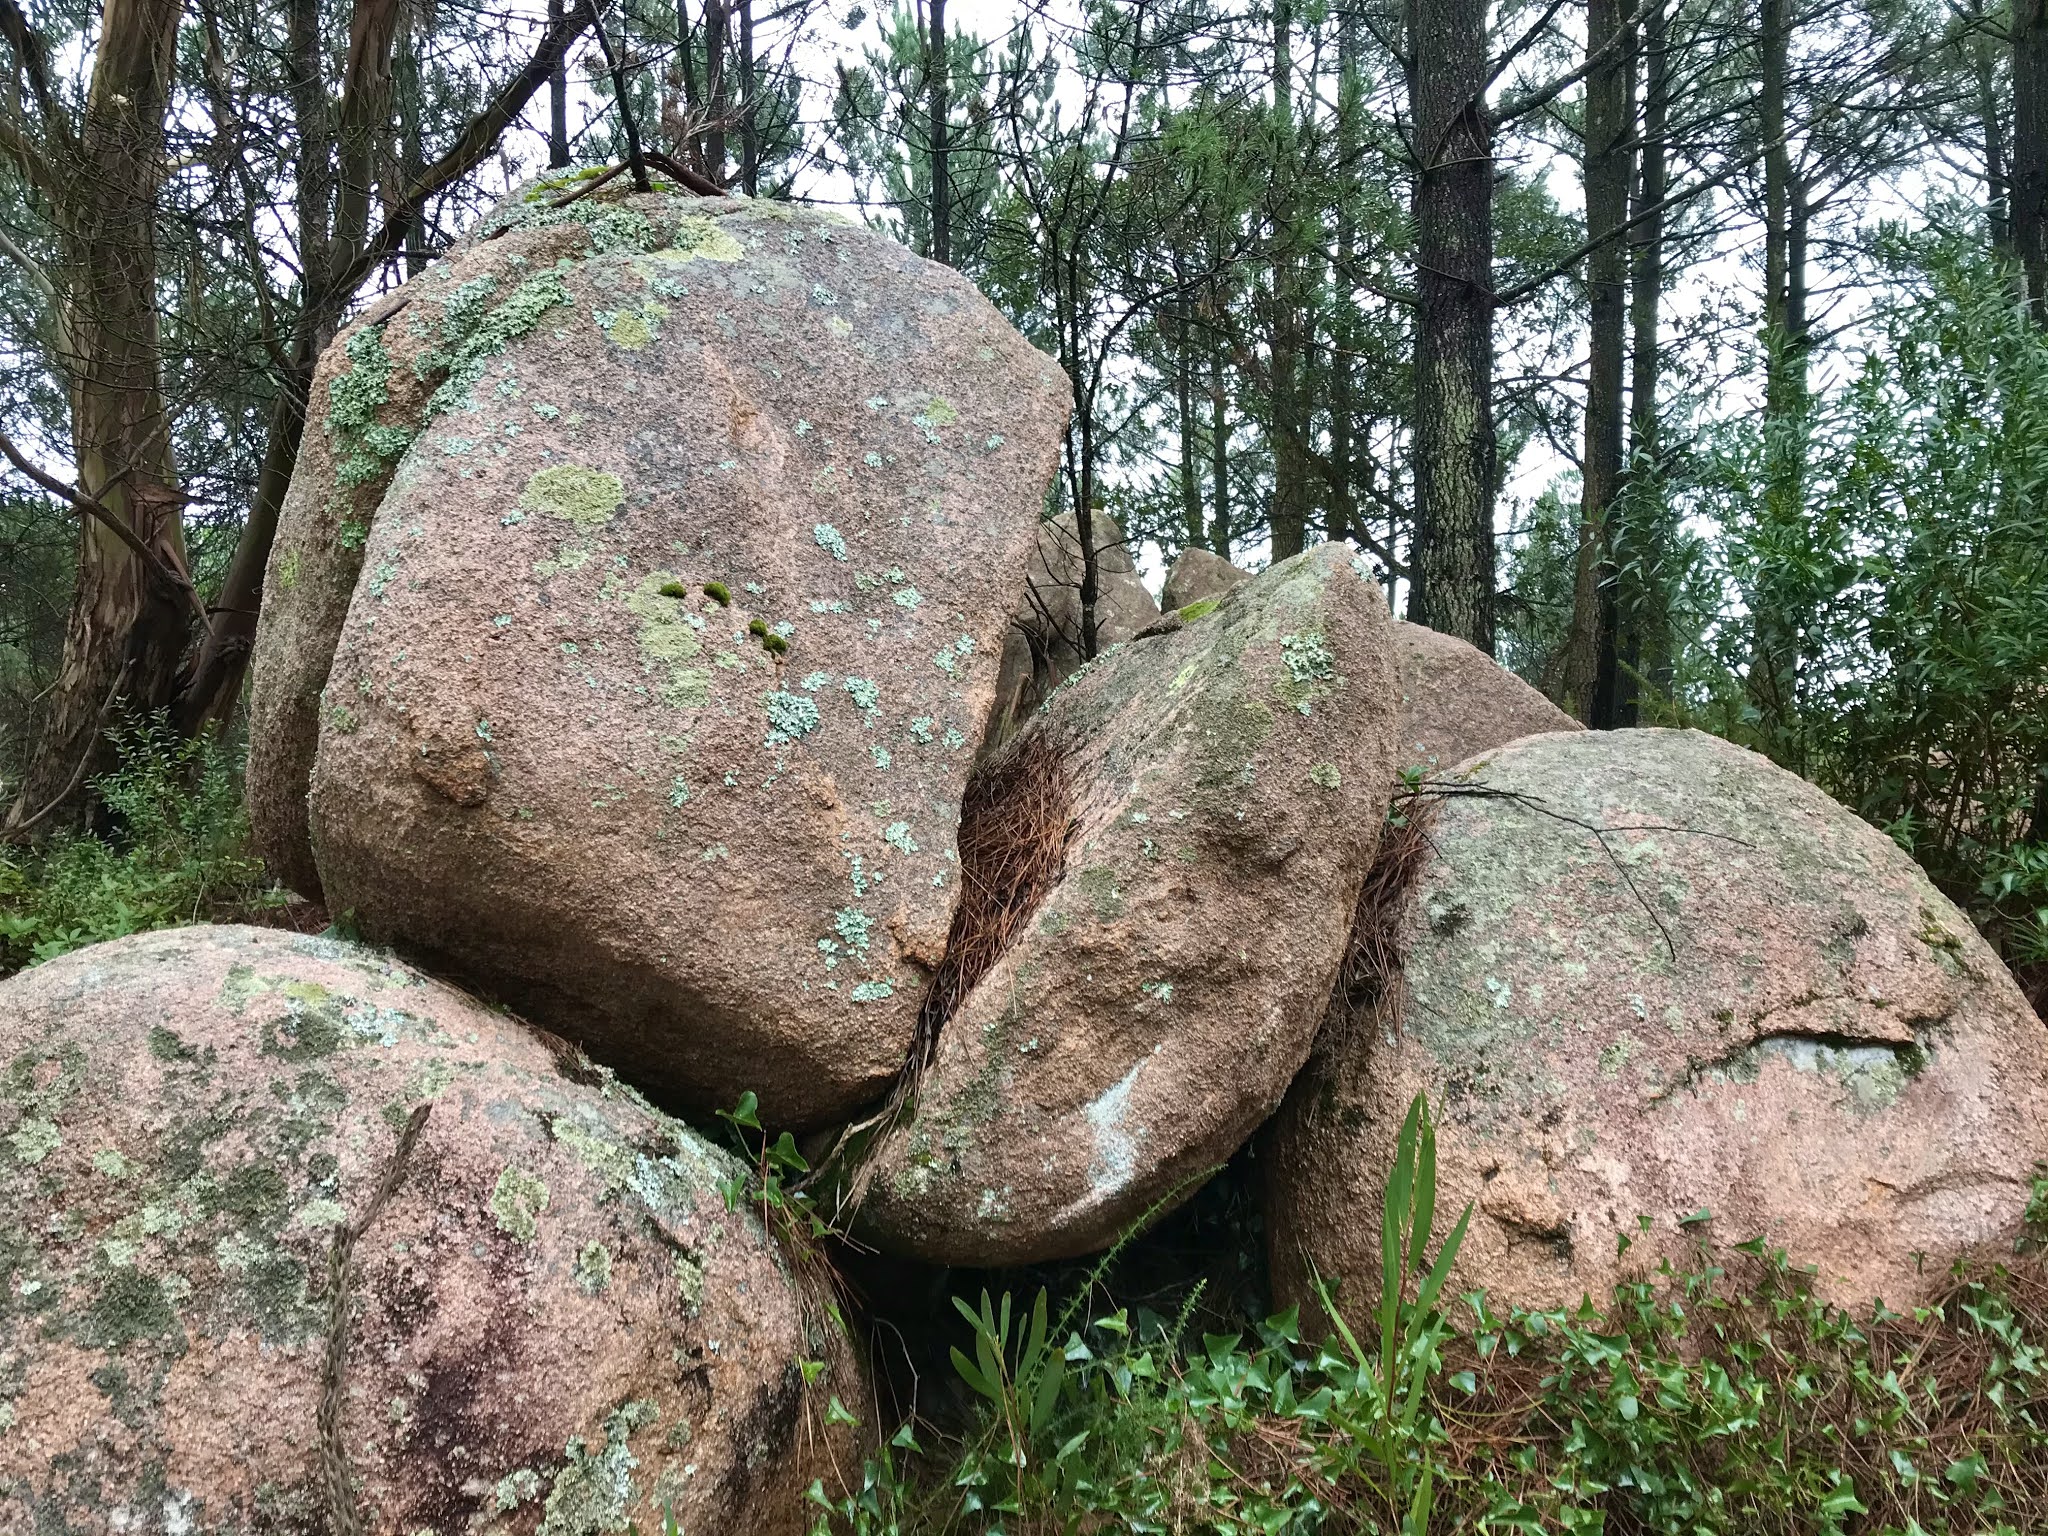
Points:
[(553, 1324), (1457, 701), (1231, 781), (674, 635), (1649, 974)]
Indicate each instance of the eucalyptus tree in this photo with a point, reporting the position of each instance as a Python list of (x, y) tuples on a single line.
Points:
[(303, 174)]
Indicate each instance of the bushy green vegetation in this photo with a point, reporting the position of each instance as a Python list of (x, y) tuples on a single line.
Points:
[(171, 846), (1722, 1399), (1904, 572)]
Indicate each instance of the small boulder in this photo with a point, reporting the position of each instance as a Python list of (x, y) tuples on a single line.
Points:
[(674, 635), (1197, 575), (1224, 787), (248, 1287), (1649, 974), (1044, 646), (1457, 701)]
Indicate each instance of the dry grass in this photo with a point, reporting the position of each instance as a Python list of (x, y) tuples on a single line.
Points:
[(1016, 824)]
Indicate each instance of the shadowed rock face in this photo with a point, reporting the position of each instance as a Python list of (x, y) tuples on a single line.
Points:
[(1230, 783), (1043, 647), (554, 1321), (1650, 974), (674, 632), (1456, 701)]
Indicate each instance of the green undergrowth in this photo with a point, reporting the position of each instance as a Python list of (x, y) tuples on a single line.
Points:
[(1721, 1397), (169, 845)]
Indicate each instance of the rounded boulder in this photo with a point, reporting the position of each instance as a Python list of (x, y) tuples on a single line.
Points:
[(1213, 794), (1658, 990), (673, 619), (294, 1239)]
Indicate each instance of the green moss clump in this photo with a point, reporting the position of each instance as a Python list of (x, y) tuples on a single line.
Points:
[(774, 645), (758, 628), (719, 593), (673, 589), (1198, 610)]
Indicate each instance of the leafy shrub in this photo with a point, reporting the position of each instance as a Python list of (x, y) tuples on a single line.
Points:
[(1718, 1400), (176, 850)]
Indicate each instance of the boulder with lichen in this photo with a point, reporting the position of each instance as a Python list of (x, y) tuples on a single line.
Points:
[(675, 597), (1170, 851), (295, 1239), (1657, 988)]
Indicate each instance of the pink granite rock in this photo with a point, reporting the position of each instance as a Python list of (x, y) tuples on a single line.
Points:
[(551, 1320)]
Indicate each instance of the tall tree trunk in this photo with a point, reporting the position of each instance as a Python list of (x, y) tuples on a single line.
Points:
[(1773, 680), (2029, 211), (1288, 520), (1591, 662), (1220, 532), (750, 121), (717, 102), (412, 159), (127, 627), (942, 188), (1647, 646), (1185, 427), (1344, 337), (558, 99), (1452, 563)]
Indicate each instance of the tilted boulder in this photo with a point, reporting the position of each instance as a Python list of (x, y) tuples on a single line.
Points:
[(1227, 783), (246, 1289), (1457, 701), (1649, 974), (1046, 644), (1198, 575), (675, 631)]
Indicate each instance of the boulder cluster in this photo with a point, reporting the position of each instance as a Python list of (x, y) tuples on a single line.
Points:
[(662, 642)]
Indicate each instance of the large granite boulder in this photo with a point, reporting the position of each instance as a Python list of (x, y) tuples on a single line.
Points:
[(295, 1240), (1226, 785), (1457, 701), (673, 629), (1045, 643), (1648, 974), (1197, 576)]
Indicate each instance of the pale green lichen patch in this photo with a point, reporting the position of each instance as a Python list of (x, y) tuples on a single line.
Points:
[(517, 1202), (1311, 666), (634, 327), (472, 336), (34, 1141), (791, 716), (1326, 776), (589, 498), (366, 448), (670, 640), (697, 239), (690, 1283), (593, 1493)]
